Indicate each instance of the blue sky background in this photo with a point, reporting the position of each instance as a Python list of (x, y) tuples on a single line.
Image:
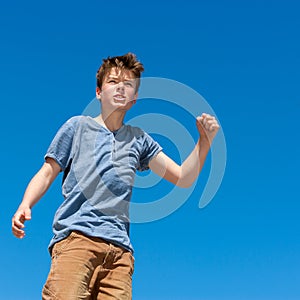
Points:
[(243, 58)]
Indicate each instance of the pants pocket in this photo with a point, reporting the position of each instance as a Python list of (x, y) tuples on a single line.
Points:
[(62, 245)]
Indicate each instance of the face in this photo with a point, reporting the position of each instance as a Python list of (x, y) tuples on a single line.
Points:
[(118, 90)]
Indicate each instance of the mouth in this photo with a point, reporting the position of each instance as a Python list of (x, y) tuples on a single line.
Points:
[(119, 97)]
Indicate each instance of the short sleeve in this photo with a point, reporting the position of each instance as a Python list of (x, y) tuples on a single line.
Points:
[(61, 145), (150, 149)]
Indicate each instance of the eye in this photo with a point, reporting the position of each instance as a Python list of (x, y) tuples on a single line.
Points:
[(128, 83), (112, 81)]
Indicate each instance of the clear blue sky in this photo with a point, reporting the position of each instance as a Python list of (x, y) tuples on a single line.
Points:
[(243, 58)]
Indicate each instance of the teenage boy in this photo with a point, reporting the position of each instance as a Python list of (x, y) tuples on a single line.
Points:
[(91, 250)]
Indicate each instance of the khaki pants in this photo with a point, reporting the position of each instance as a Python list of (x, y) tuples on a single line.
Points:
[(89, 268)]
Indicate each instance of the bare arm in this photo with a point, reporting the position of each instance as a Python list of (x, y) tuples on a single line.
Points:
[(186, 174), (36, 188)]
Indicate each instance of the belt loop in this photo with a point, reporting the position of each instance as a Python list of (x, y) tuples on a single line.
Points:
[(109, 252)]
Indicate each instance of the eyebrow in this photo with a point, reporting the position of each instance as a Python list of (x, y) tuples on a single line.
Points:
[(117, 77)]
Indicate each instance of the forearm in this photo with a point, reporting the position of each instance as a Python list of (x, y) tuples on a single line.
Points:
[(186, 174), (38, 185), (192, 166), (36, 188)]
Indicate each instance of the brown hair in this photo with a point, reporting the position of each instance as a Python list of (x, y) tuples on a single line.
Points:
[(126, 62)]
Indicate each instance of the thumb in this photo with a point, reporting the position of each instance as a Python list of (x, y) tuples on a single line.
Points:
[(200, 118), (27, 214), (199, 123)]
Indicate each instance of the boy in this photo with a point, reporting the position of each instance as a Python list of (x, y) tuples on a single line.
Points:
[(91, 250)]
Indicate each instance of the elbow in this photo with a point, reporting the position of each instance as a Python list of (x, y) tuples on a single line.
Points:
[(184, 180), (184, 184)]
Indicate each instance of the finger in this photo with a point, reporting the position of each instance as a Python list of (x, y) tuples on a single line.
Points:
[(210, 119), (207, 118), (207, 123), (18, 220), (211, 128), (214, 127), (19, 233), (210, 123)]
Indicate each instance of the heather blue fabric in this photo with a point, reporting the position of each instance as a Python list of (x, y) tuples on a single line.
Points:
[(99, 169)]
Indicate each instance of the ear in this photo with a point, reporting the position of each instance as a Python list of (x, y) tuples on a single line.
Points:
[(98, 93), (135, 98)]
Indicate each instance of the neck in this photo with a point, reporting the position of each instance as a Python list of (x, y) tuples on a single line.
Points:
[(112, 122)]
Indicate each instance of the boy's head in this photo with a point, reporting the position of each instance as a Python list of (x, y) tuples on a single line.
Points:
[(123, 64)]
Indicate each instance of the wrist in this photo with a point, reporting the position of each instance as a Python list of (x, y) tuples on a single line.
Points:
[(25, 205), (204, 144)]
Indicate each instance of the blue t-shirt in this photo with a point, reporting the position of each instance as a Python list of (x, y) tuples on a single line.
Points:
[(99, 169)]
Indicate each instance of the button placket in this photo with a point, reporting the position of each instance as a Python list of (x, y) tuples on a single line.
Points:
[(113, 147)]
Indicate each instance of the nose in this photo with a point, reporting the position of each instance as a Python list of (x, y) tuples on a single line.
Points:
[(120, 86)]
